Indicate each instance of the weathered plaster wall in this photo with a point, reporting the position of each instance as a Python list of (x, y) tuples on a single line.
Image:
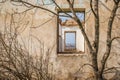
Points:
[(38, 30)]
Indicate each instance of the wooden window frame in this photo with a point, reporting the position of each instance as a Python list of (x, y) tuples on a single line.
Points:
[(69, 50), (66, 10)]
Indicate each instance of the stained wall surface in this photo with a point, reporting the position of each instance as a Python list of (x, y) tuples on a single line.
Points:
[(38, 31)]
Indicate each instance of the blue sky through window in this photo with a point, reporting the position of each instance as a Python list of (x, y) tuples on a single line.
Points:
[(70, 40), (80, 15)]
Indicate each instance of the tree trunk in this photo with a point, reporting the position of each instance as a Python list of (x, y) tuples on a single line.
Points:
[(96, 47), (108, 41)]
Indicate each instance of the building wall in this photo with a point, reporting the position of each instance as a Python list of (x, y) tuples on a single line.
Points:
[(79, 38), (38, 30)]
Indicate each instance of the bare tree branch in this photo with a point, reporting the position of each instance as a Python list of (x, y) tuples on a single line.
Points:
[(80, 26), (108, 41)]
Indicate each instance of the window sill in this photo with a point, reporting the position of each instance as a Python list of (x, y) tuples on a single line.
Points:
[(70, 53)]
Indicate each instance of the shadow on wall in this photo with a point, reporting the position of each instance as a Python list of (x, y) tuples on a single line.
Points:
[(116, 75), (81, 75)]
